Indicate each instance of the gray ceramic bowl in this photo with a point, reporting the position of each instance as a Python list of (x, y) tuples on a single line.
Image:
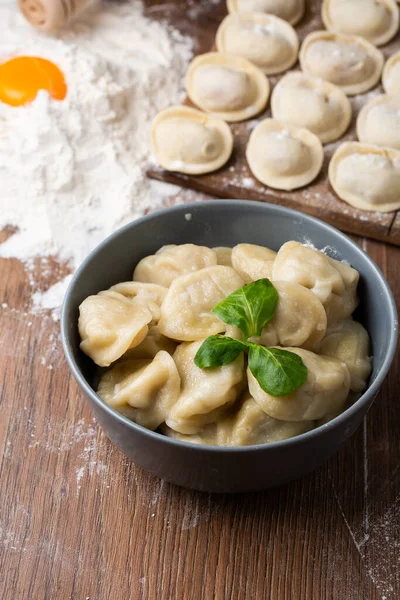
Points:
[(226, 223)]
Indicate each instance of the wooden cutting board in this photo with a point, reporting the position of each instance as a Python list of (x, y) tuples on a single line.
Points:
[(235, 180)]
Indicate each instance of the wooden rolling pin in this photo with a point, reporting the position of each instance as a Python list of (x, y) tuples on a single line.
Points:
[(50, 15)]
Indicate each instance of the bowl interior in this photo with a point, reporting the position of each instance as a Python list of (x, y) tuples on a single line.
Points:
[(226, 223)]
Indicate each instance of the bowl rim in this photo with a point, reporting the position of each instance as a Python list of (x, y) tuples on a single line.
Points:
[(364, 399)]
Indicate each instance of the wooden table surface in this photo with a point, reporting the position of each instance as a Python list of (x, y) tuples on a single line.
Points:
[(79, 521)]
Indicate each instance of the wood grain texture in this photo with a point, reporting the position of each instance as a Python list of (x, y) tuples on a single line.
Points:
[(235, 179), (78, 521)]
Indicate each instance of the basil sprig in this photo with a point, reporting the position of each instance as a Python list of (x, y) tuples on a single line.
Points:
[(278, 372)]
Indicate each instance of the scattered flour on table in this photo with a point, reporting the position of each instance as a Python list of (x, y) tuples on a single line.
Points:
[(74, 171)]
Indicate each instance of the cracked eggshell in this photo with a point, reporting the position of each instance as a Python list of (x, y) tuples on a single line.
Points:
[(288, 10), (391, 75), (310, 102), (348, 61), (284, 156), (375, 20), (189, 141), (228, 87), (379, 122), (366, 176), (267, 41)]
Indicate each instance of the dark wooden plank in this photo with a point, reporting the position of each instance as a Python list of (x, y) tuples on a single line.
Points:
[(235, 180)]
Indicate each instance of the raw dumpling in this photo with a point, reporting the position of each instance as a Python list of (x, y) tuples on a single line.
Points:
[(391, 75), (268, 42), (325, 391), (349, 62), (186, 311), (310, 102), (253, 262), (150, 295), (228, 87), (349, 342), (375, 20), (366, 176), (142, 390), (289, 10), (247, 426), (379, 122), (109, 324), (299, 320), (206, 393), (333, 282), (189, 141), (224, 255), (172, 261), (284, 156), (151, 345)]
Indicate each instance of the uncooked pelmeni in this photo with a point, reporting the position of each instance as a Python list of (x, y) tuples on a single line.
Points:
[(310, 102), (267, 41), (189, 141), (366, 176), (379, 122), (284, 156), (350, 62), (391, 75), (375, 20), (228, 87), (289, 10)]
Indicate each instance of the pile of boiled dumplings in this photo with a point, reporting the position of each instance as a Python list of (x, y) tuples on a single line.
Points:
[(309, 107)]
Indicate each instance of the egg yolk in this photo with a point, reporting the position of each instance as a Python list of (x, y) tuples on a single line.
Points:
[(22, 77)]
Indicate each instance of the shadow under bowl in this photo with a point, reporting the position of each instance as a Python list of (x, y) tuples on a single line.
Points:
[(226, 223)]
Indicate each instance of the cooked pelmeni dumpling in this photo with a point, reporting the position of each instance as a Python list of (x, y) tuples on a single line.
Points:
[(189, 141), (349, 342), (224, 255), (379, 122), (310, 102), (284, 156), (391, 75), (253, 262), (267, 41), (333, 282), (142, 390), (366, 176), (299, 320), (228, 87), (151, 345), (246, 426), (149, 294), (375, 20), (289, 10), (172, 261), (186, 311), (325, 391), (350, 62), (109, 324), (206, 393)]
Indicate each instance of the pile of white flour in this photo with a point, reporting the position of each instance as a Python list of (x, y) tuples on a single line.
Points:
[(72, 172)]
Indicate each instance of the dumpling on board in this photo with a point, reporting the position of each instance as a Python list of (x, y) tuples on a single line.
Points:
[(289, 10), (299, 320), (109, 324), (170, 262), (206, 394), (333, 282), (142, 390), (349, 342), (253, 262), (325, 391), (186, 313)]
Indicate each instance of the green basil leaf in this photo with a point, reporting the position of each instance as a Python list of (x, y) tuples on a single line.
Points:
[(250, 307), (218, 350), (278, 372)]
